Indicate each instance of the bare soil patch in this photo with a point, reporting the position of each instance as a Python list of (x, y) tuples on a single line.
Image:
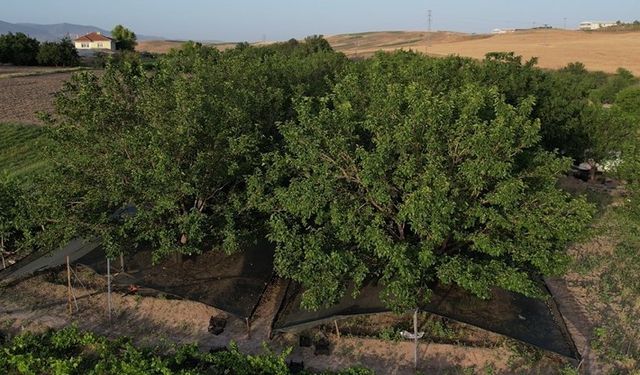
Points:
[(22, 97)]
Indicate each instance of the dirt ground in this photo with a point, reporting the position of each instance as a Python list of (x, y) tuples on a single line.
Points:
[(22, 97), (41, 303)]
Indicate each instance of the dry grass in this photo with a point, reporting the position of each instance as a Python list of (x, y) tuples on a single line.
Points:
[(554, 48), (10, 71), (164, 46)]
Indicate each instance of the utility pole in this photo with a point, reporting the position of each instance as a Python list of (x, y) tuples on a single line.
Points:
[(428, 31)]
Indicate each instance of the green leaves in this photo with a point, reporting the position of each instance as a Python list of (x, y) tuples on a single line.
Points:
[(70, 351), (125, 38), (410, 183), (178, 144)]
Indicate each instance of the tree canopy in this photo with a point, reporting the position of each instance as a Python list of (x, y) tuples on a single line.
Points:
[(411, 184), (18, 49), (61, 53), (400, 169), (177, 145), (125, 39)]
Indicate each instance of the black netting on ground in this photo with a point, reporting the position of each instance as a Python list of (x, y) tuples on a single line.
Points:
[(235, 284), (533, 321), (38, 262), (232, 283)]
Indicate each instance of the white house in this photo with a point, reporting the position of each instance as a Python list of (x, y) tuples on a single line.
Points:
[(595, 25), (95, 41), (503, 31)]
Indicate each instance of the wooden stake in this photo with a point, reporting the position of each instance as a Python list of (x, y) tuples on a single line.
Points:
[(121, 262), (248, 328), (337, 329), (415, 338), (109, 287), (69, 293), (4, 265)]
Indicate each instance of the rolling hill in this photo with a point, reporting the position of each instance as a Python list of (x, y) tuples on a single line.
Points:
[(554, 48), (56, 31)]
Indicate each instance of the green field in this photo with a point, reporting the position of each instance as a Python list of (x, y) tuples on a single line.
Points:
[(21, 149)]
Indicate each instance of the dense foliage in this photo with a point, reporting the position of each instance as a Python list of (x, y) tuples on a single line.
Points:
[(70, 351), (20, 49), (61, 53), (400, 169), (176, 144), (126, 39), (413, 177)]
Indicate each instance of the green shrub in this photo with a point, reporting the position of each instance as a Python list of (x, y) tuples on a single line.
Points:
[(70, 351)]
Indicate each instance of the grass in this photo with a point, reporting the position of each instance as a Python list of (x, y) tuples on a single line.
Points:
[(41, 72), (610, 277), (21, 149)]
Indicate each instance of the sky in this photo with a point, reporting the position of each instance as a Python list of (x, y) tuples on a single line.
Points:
[(253, 20)]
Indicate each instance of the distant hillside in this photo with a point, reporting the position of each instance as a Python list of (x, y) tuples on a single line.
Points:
[(606, 51), (56, 31)]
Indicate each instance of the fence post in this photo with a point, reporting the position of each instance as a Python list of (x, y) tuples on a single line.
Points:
[(415, 338), (109, 288), (69, 293)]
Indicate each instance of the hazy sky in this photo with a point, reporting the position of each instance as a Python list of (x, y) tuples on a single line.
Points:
[(252, 20)]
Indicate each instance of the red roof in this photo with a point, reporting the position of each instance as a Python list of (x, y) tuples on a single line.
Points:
[(93, 37)]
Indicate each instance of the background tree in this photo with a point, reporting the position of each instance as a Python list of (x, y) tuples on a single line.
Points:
[(125, 38), (18, 49), (61, 53), (409, 185)]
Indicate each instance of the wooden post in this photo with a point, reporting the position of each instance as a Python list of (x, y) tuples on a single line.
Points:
[(248, 328), (415, 338), (4, 265), (69, 293), (121, 262), (337, 329), (109, 288)]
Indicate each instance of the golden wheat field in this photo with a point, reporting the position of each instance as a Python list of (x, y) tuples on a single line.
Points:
[(606, 51)]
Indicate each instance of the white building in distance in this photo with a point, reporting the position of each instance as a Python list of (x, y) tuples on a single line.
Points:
[(95, 41), (595, 25)]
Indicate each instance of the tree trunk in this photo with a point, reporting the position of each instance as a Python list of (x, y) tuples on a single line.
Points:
[(593, 170), (4, 265), (177, 258)]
